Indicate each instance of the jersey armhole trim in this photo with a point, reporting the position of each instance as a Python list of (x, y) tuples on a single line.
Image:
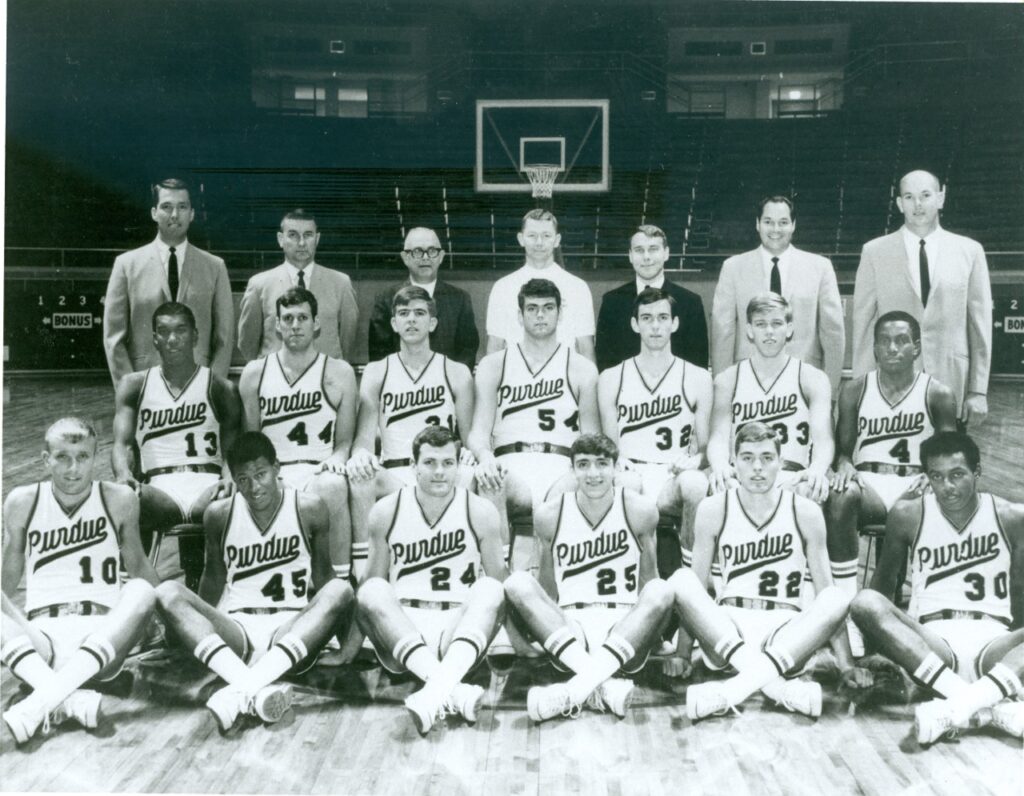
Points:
[(796, 524), (306, 537), (919, 531), (999, 524), (106, 509), (568, 381), (927, 403), (323, 390), (263, 373), (394, 517), (800, 381), (625, 516), (209, 398), (447, 381), (469, 522), (558, 521), (864, 389), (682, 385)]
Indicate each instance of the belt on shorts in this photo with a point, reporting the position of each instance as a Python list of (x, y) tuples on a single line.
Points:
[(437, 606), (81, 608), (889, 469), (532, 447), (262, 611), (580, 606), (751, 602), (184, 468), (641, 461), (792, 467), (949, 613), (392, 463)]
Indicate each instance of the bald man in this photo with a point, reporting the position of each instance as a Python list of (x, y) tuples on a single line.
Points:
[(942, 280)]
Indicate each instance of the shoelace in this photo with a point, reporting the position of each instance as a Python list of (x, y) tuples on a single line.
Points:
[(595, 701)]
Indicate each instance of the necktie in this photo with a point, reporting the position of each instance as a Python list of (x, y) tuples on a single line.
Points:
[(302, 280), (926, 282), (776, 279), (172, 274)]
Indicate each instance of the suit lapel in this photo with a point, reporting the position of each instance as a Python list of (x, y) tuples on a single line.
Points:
[(156, 269), (185, 274), (898, 255)]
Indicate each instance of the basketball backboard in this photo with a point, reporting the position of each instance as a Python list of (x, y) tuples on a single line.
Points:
[(571, 134)]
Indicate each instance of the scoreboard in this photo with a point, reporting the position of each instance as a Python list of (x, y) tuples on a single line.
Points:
[(1008, 329)]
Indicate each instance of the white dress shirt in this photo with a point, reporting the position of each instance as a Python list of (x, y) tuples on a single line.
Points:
[(428, 286), (657, 282), (294, 272), (784, 266), (165, 258), (932, 246)]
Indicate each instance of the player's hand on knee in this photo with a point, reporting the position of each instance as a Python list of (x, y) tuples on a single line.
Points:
[(333, 464), (975, 409), (844, 475), (687, 461), (130, 482), (466, 457), (676, 667), (816, 485), (489, 476), (918, 487), (362, 466), (718, 479), (225, 488)]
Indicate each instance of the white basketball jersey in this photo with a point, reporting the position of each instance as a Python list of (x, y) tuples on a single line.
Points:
[(266, 569), (595, 563), (172, 432), (961, 570), (892, 433), (535, 406), (71, 557), (409, 404), (766, 561), (655, 423), (297, 417), (438, 562), (781, 405)]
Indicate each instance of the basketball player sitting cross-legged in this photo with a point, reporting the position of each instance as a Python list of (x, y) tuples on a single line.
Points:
[(765, 537), (425, 604), (268, 600), (398, 396), (181, 416), (966, 553), (597, 605), (884, 416), (69, 536), (305, 402)]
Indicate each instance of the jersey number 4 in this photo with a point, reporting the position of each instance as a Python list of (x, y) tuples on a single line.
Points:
[(299, 437), (274, 588)]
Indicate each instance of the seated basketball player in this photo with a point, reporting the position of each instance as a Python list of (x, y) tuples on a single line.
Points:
[(398, 396), (69, 536), (597, 605), (181, 416), (966, 553), (305, 403), (765, 537), (884, 416), (268, 600), (432, 598)]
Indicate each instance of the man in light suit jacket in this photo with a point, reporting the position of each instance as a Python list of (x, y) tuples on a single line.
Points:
[(168, 269), (616, 340), (942, 280), (807, 281), (339, 314), (456, 335)]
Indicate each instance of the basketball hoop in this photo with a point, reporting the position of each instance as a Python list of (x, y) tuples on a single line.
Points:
[(542, 178)]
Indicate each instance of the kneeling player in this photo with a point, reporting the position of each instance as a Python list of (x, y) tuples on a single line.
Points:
[(425, 604), (599, 606), (765, 538), (81, 623), (966, 575), (266, 551)]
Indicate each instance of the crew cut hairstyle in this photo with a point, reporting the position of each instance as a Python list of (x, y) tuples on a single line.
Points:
[(539, 214), (170, 184), (250, 446), (950, 443), (294, 296), (539, 288), (298, 214), (70, 429), (593, 444), (174, 309), (652, 295), (780, 199), (899, 315), (756, 431), (435, 437), (406, 295)]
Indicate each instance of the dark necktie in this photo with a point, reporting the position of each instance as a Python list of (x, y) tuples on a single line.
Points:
[(926, 282), (172, 274), (776, 279), (302, 280)]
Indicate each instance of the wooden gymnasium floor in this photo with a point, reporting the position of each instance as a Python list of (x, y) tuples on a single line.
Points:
[(349, 733)]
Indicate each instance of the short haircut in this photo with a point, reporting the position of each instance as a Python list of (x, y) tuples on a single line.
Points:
[(929, 172), (779, 199), (540, 214), (593, 444), (69, 429), (899, 315), (756, 431), (408, 294), (422, 229), (293, 297), (248, 447), (652, 295), (435, 437), (298, 214), (764, 302), (174, 309), (539, 288), (652, 231), (170, 184), (949, 443)]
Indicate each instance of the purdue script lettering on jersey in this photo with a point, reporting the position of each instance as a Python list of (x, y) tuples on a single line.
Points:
[(67, 539), (168, 421), (961, 555), (592, 553), (748, 556), (879, 429), (647, 413), (425, 553), (774, 408), (534, 393), (399, 405), (264, 555), (281, 408)]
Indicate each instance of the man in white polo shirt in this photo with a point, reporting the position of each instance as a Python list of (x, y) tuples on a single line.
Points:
[(539, 238)]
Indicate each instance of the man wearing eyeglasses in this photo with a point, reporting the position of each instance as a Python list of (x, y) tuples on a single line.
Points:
[(336, 299), (456, 335)]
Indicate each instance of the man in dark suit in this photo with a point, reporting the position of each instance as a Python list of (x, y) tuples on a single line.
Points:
[(168, 269), (616, 340), (456, 335)]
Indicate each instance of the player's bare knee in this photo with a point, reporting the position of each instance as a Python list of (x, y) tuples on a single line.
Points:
[(337, 591), (833, 600), (868, 606), (372, 596), (692, 486), (139, 594), (170, 596), (658, 595), (519, 588), (684, 583)]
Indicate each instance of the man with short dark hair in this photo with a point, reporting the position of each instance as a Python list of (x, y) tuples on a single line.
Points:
[(339, 313), (168, 269)]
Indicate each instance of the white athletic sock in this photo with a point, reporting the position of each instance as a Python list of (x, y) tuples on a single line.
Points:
[(844, 575), (360, 559), (413, 653), (215, 654), (1000, 683), (342, 571), (284, 655), (564, 647), (615, 653), (933, 673), (26, 663), (463, 651), (85, 663), (756, 672), (687, 557)]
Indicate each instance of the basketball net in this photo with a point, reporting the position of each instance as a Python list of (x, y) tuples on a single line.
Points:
[(542, 178)]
